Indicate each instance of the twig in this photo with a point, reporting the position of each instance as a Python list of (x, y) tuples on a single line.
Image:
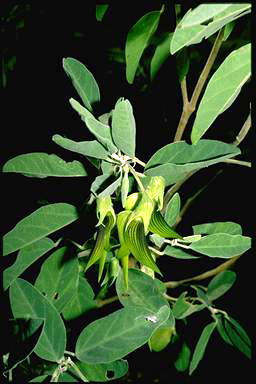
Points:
[(204, 275), (238, 162), (189, 107), (243, 132), (101, 303)]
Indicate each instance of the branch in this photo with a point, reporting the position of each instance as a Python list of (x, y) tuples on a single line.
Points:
[(101, 303), (245, 128), (189, 107), (204, 275), (238, 162)]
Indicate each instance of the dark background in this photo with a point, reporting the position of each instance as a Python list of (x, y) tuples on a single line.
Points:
[(36, 36)]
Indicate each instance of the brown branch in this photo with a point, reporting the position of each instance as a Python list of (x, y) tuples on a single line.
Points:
[(243, 132), (189, 107), (204, 275)]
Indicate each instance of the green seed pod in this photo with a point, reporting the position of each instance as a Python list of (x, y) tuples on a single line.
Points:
[(160, 338), (155, 190)]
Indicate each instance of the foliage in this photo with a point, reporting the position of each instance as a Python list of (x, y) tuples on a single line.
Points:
[(137, 218)]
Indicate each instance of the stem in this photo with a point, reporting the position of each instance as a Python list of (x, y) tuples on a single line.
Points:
[(204, 275), (101, 303), (137, 178), (80, 374), (189, 107), (245, 128), (238, 162), (139, 162)]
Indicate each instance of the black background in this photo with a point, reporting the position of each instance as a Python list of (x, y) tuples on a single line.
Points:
[(35, 106)]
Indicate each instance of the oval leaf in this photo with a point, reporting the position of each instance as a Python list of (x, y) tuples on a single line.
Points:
[(118, 334), (123, 127), (143, 291), (222, 245), (37, 225), (223, 85), (25, 258), (190, 31), (201, 345), (86, 148), (102, 372), (83, 81), (220, 284), (41, 165), (173, 210), (137, 40), (217, 227), (182, 362), (27, 302), (58, 277)]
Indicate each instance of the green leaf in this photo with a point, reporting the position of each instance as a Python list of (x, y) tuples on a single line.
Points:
[(143, 291), (123, 127), (218, 227), (220, 284), (118, 334), (190, 31), (183, 308), (58, 277), (233, 333), (174, 161), (26, 256), (222, 89), (81, 301), (102, 181), (161, 53), (160, 338), (99, 130), (37, 225), (138, 39), (201, 345), (28, 303), (87, 148), (42, 165), (173, 210), (178, 253), (102, 372), (83, 81), (182, 361), (222, 245), (101, 9)]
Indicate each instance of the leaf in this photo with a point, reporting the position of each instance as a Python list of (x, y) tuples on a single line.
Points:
[(137, 40), (27, 256), (27, 302), (182, 361), (200, 347), (183, 308), (83, 81), (123, 127), (160, 338), (102, 372), (111, 188), (87, 148), (161, 53), (182, 64), (173, 210), (190, 31), (178, 253), (143, 291), (222, 245), (118, 334), (38, 224), (81, 301), (218, 227), (58, 277), (174, 161), (99, 130), (223, 87), (220, 284), (101, 9), (39, 164), (233, 333)]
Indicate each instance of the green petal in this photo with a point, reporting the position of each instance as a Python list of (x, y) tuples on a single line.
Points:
[(136, 241), (159, 226), (98, 248)]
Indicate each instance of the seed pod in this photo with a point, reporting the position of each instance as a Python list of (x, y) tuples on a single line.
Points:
[(160, 338)]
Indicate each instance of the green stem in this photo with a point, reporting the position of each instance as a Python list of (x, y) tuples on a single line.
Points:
[(136, 178)]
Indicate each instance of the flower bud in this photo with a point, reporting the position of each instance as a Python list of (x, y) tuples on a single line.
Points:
[(104, 206), (155, 190)]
